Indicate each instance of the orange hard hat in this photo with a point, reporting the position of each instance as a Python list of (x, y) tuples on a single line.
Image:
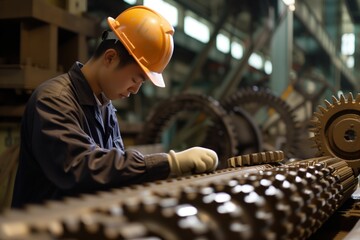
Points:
[(148, 37)]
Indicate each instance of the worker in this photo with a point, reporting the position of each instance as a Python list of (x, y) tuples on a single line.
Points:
[(70, 137)]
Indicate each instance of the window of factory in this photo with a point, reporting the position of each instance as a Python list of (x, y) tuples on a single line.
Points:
[(348, 44), (268, 67), (256, 61), (348, 49), (222, 43), (166, 9), (196, 28), (237, 50)]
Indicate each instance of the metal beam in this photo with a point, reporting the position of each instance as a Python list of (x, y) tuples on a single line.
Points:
[(304, 14), (202, 56)]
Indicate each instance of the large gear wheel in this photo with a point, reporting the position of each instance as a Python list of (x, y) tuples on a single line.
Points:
[(337, 128), (273, 116), (188, 120)]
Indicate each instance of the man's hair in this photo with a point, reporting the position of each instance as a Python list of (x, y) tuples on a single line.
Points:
[(125, 57)]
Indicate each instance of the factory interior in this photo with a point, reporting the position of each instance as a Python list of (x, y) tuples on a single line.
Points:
[(272, 86)]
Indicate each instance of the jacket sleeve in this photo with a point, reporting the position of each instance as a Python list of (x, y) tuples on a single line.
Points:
[(74, 162)]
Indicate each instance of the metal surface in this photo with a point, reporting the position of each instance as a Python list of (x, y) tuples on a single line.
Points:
[(261, 202), (273, 116), (256, 159), (248, 134), (188, 120), (337, 129)]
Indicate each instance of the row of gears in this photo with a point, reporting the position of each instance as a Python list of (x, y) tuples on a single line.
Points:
[(254, 196), (249, 121), (288, 201)]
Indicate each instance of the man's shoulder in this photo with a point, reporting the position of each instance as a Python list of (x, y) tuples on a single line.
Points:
[(57, 86)]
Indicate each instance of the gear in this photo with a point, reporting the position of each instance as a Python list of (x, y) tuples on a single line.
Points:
[(273, 115), (256, 158), (190, 120), (337, 129), (249, 134)]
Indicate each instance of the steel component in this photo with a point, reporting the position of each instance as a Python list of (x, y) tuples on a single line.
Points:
[(249, 136), (336, 129), (256, 159), (289, 201), (273, 116), (305, 14), (190, 120), (201, 58)]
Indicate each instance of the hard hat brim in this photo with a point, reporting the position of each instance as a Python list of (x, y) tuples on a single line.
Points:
[(156, 78)]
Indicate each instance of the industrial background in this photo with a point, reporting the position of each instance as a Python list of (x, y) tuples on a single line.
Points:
[(246, 77)]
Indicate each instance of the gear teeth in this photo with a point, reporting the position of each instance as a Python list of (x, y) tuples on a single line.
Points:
[(314, 130), (351, 97), (256, 158), (346, 106), (322, 109), (328, 104), (357, 98), (318, 115), (342, 99), (313, 139), (334, 99), (314, 122)]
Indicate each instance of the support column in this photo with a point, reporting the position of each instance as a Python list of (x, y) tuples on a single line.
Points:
[(281, 51), (332, 25)]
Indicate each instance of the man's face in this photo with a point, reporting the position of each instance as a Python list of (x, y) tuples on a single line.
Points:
[(120, 82)]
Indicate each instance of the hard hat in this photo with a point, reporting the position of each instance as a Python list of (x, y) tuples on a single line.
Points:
[(148, 37)]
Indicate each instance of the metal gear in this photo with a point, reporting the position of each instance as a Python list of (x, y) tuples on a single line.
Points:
[(288, 201), (248, 133), (274, 117), (336, 129), (188, 120), (256, 159)]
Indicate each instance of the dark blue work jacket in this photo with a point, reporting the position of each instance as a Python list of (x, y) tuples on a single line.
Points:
[(66, 150)]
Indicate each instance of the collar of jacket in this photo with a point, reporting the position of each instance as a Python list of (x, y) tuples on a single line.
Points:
[(83, 89)]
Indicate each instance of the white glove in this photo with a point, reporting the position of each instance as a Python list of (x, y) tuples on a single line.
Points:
[(195, 159)]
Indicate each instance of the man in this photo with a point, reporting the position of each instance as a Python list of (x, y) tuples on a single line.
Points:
[(70, 138)]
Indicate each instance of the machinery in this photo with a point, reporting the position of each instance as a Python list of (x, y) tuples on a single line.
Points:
[(263, 189), (256, 196)]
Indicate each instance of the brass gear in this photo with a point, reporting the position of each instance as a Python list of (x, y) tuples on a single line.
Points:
[(337, 129)]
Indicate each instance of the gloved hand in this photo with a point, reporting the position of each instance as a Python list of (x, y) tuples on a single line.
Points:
[(195, 159)]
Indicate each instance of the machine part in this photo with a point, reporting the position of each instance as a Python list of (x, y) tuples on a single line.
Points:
[(336, 129), (256, 159), (289, 201), (249, 135), (190, 120), (273, 116)]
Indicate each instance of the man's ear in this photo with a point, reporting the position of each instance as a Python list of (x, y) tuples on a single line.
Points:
[(110, 55)]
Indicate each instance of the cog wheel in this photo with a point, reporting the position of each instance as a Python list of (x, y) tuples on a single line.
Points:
[(337, 128), (189, 120), (248, 133), (273, 116), (256, 158)]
